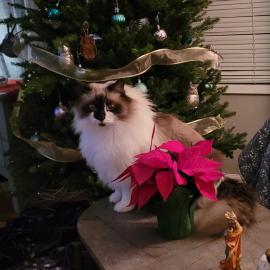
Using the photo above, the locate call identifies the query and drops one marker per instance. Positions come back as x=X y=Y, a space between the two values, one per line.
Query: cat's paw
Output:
x=123 y=207
x=115 y=197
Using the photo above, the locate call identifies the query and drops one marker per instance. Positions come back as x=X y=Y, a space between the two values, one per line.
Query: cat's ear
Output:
x=83 y=87
x=80 y=88
x=118 y=86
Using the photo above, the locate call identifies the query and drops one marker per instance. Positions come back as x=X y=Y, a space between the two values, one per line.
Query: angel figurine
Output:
x=233 y=243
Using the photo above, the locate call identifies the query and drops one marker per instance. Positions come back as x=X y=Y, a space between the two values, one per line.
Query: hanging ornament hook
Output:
x=58 y=3
x=157 y=21
x=116 y=9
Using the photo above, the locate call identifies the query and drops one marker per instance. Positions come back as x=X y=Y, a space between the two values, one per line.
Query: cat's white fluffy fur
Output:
x=110 y=149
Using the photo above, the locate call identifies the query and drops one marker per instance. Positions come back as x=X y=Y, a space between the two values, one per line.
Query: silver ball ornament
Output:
x=160 y=34
x=193 y=98
x=60 y=111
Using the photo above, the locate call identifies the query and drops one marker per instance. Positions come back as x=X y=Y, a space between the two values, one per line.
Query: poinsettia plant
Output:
x=170 y=165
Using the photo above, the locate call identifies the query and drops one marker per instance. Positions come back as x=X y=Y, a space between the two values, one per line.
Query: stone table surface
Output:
x=130 y=241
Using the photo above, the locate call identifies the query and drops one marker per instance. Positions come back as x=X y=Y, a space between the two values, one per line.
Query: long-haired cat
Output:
x=115 y=122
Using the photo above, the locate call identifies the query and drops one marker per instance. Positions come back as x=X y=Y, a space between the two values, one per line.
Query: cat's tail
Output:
x=232 y=195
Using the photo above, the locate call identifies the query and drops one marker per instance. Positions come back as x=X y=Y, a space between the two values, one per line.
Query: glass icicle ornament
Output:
x=118 y=17
x=193 y=98
x=65 y=54
x=160 y=34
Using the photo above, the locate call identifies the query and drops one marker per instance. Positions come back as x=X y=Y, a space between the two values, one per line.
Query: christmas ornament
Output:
x=6 y=47
x=208 y=85
x=118 y=17
x=60 y=111
x=160 y=34
x=34 y=137
x=193 y=98
x=141 y=86
x=142 y=22
x=186 y=39
x=65 y=54
x=88 y=47
x=54 y=12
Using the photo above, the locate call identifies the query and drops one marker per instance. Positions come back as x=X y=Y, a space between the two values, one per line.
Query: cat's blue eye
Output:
x=110 y=107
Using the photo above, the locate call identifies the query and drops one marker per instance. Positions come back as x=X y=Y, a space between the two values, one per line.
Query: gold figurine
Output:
x=233 y=243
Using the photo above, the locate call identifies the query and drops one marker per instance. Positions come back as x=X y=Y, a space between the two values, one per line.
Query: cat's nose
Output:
x=99 y=116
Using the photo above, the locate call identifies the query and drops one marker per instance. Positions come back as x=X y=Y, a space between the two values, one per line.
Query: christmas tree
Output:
x=119 y=33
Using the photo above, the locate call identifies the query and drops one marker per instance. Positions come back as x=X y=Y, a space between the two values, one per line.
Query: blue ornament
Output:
x=53 y=12
x=118 y=18
x=186 y=39
x=34 y=137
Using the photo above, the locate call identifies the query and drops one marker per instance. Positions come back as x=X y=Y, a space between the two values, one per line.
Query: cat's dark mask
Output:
x=101 y=99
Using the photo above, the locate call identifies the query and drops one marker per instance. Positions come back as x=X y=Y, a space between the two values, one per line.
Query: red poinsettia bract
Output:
x=160 y=170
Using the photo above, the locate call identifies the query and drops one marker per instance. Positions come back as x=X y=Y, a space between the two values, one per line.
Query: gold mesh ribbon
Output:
x=207 y=125
x=139 y=66
x=60 y=154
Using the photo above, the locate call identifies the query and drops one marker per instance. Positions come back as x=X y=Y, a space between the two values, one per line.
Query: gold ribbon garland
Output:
x=207 y=125
x=139 y=66
x=60 y=154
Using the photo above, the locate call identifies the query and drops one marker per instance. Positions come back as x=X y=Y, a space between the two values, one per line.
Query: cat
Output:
x=115 y=122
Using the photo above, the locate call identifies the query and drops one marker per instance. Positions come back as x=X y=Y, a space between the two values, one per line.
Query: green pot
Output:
x=176 y=215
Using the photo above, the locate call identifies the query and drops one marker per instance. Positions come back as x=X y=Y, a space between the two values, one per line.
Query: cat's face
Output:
x=104 y=103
